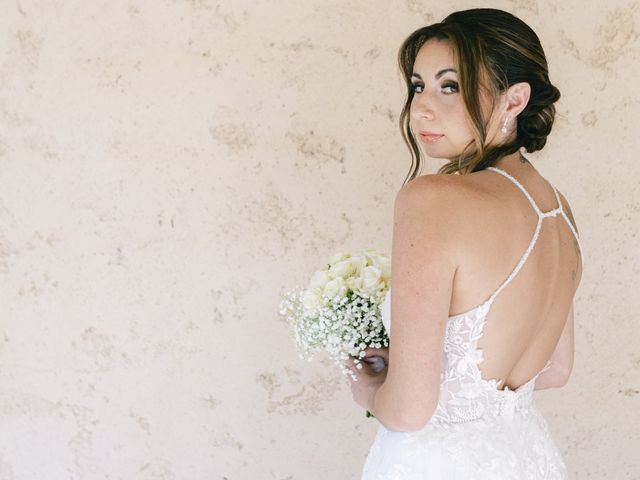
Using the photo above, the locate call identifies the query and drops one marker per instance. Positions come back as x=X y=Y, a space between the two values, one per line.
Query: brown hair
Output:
x=494 y=45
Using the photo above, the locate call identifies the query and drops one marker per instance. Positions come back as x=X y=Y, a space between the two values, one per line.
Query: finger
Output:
x=382 y=352
x=349 y=368
x=373 y=350
x=350 y=363
x=379 y=352
x=375 y=364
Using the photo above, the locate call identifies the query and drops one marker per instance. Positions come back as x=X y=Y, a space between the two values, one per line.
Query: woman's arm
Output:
x=424 y=256
x=562 y=359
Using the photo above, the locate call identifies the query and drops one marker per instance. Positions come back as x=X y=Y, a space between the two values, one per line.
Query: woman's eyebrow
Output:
x=437 y=75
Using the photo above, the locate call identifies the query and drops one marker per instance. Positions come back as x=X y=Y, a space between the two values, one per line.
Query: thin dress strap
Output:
x=550 y=213
x=573 y=230
x=575 y=234
x=536 y=233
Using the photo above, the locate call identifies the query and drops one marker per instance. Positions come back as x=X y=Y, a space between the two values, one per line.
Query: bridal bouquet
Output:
x=339 y=310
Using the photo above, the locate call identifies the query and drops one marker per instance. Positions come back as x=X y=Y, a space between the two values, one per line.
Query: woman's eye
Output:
x=451 y=85
x=446 y=85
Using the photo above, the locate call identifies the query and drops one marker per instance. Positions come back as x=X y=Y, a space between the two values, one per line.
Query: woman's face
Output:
x=437 y=106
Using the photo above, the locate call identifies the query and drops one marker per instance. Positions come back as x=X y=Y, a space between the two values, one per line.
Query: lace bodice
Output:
x=478 y=431
x=464 y=394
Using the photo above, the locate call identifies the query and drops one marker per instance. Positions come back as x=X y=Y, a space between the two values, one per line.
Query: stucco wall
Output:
x=169 y=168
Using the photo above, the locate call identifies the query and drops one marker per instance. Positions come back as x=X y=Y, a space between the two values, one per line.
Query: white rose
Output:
x=337 y=257
x=371 y=281
x=370 y=253
x=335 y=287
x=354 y=283
x=344 y=268
x=319 y=279
x=381 y=261
x=384 y=264
x=312 y=299
x=359 y=262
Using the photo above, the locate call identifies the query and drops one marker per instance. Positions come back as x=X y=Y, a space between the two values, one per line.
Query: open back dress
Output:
x=478 y=431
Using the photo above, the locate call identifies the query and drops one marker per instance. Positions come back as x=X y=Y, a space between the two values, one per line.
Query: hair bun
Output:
x=493 y=49
x=536 y=120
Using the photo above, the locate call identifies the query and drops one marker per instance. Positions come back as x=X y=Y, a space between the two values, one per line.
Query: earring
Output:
x=504 y=127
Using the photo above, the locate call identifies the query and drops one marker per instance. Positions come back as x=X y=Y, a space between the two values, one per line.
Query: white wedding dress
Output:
x=477 y=432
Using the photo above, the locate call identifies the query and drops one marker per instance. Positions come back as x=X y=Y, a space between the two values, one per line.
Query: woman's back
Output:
x=513 y=288
x=530 y=312
x=478 y=92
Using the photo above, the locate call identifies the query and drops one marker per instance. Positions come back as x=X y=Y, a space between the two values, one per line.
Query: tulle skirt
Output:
x=518 y=446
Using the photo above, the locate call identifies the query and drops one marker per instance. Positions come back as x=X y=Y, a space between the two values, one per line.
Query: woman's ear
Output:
x=517 y=98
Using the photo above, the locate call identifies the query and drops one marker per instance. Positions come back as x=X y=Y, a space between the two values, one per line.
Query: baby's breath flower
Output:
x=339 y=311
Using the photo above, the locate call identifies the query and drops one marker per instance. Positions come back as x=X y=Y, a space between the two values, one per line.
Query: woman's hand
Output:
x=382 y=353
x=370 y=377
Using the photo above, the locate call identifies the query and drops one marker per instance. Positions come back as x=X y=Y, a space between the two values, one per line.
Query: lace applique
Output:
x=477 y=432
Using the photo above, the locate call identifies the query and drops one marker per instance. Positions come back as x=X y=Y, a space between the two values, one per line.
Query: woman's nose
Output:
x=421 y=113
x=421 y=107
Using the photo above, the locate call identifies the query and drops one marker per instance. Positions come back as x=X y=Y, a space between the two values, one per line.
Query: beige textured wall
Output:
x=169 y=168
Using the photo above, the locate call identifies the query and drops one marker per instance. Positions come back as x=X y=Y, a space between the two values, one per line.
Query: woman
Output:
x=486 y=261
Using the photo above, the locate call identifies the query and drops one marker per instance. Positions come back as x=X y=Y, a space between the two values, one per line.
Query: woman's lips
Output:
x=429 y=137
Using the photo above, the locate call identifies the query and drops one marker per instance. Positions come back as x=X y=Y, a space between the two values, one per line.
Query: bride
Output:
x=486 y=260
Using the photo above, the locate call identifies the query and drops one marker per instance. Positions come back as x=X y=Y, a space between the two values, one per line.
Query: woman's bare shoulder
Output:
x=439 y=183
x=567 y=210
x=454 y=201
x=447 y=190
